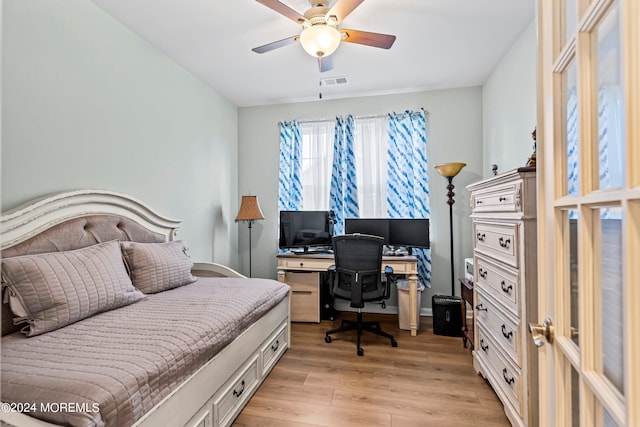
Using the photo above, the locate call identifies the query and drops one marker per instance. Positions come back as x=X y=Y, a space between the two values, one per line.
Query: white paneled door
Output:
x=588 y=328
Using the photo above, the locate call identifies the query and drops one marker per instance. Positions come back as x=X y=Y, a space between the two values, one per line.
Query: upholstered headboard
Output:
x=74 y=220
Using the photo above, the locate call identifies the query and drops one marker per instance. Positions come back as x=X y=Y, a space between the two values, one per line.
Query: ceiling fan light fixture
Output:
x=320 y=40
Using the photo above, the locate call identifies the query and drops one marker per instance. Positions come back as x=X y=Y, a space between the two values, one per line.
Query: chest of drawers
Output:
x=505 y=290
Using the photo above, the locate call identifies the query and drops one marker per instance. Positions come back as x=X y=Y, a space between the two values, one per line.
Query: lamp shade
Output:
x=320 y=40
x=449 y=169
x=249 y=209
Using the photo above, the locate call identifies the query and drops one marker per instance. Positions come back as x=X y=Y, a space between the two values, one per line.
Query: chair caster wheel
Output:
x=360 y=352
x=327 y=339
x=394 y=343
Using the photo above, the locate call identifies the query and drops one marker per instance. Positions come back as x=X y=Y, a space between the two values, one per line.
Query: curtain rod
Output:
x=372 y=116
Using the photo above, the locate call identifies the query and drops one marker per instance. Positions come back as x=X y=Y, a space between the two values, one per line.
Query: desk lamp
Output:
x=449 y=170
x=250 y=212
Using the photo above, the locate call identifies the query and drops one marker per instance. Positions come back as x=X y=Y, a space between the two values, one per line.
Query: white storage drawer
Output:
x=499 y=241
x=503 y=198
x=503 y=329
x=239 y=389
x=501 y=373
x=201 y=419
x=499 y=281
x=274 y=347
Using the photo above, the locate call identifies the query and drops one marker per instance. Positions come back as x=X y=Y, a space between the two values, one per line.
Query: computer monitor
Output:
x=306 y=230
x=409 y=232
x=372 y=226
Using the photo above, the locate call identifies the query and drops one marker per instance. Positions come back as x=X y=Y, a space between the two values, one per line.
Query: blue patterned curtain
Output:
x=408 y=183
x=290 y=184
x=343 y=198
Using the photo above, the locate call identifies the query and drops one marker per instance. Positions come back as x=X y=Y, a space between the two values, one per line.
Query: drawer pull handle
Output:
x=504 y=243
x=481 y=307
x=275 y=346
x=302 y=264
x=482 y=273
x=481 y=236
x=239 y=393
x=504 y=333
x=302 y=292
x=479 y=202
x=482 y=346
x=507 y=380
x=506 y=289
x=502 y=199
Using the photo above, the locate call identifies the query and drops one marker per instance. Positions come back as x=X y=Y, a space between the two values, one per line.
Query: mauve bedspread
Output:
x=114 y=367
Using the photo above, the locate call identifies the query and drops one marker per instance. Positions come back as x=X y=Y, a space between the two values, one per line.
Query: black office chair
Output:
x=356 y=276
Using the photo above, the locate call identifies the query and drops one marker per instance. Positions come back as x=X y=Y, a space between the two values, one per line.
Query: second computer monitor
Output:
x=409 y=232
x=372 y=226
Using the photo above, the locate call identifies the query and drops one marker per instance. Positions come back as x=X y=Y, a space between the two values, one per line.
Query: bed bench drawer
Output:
x=273 y=348
x=201 y=419
x=238 y=391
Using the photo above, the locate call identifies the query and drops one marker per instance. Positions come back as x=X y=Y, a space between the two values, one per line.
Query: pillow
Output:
x=51 y=290
x=156 y=267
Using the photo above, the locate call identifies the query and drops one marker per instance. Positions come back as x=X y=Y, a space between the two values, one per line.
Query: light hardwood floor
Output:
x=427 y=380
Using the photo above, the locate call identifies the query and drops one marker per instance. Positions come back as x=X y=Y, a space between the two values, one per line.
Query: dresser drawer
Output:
x=273 y=348
x=232 y=397
x=503 y=329
x=503 y=198
x=305 y=296
x=499 y=281
x=501 y=373
x=499 y=241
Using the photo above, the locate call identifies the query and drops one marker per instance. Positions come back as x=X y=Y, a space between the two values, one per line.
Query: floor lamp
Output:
x=250 y=212
x=449 y=170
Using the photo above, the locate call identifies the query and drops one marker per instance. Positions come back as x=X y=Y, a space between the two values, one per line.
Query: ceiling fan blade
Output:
x=384 y=41
x=325 y=63
x=275 y=45
x=283 y=9
x=342 y=8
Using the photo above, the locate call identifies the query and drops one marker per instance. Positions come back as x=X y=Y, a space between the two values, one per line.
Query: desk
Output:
x=302 y=273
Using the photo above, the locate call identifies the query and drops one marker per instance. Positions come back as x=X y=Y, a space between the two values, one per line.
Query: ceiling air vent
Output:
x=333 y=81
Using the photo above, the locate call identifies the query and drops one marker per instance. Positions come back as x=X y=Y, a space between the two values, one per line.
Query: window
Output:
x=317 y=153
x=370 y=140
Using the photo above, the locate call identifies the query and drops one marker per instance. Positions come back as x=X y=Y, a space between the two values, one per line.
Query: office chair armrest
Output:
x=388 y=271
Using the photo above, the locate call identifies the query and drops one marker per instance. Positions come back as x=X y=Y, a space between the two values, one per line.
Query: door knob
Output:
x=540 y=333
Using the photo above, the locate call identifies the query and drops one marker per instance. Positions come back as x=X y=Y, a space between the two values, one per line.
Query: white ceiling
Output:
x=440 y=44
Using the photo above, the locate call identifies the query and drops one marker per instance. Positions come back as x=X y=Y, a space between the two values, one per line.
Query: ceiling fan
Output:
x=320 y=36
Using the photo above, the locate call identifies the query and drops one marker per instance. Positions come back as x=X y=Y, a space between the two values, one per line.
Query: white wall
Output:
x=88 y=104
x=454 y=128
x=509 y=106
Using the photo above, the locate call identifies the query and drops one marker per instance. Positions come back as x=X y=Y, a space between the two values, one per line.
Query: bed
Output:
x=167 y=342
